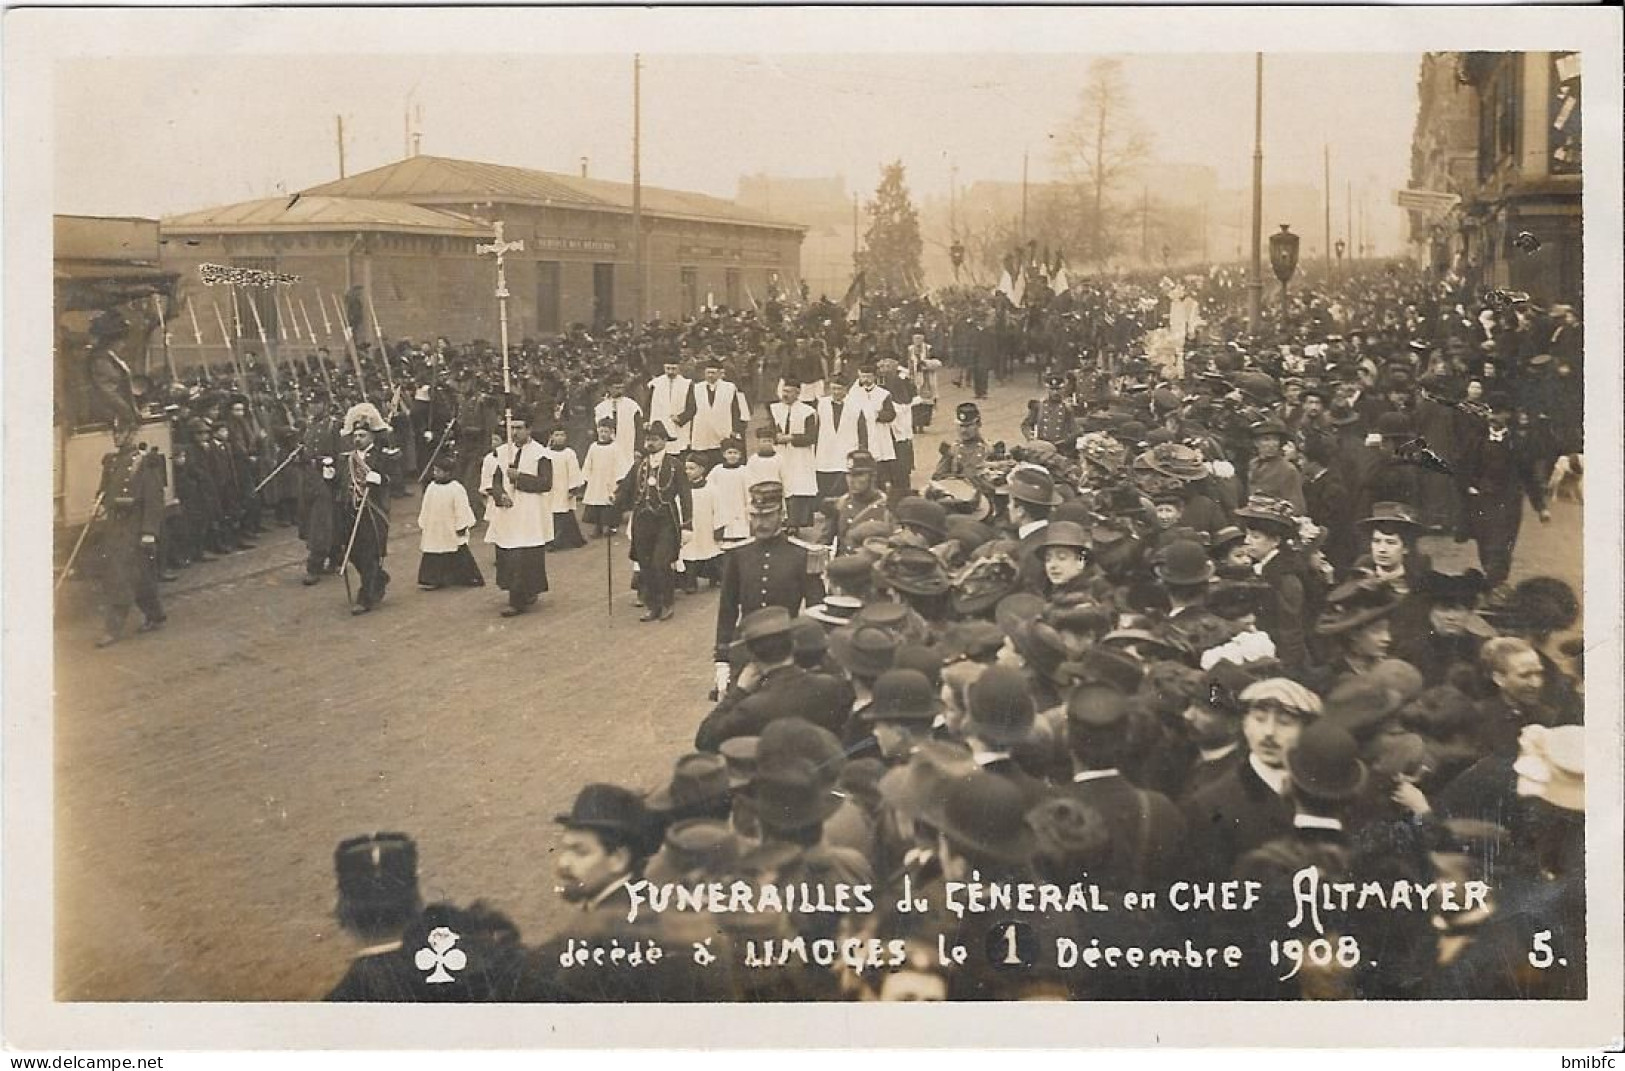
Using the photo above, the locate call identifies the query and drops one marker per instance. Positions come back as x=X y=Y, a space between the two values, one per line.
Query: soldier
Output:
x=124 y=560
x=963 y=459
x=862 y=502
x=323 y=541
x=1050 y=419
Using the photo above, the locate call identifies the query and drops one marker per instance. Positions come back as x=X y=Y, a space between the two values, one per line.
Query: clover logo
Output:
x=441 y=955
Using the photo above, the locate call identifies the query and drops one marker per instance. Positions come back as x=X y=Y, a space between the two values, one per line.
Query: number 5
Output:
x=1541 y=955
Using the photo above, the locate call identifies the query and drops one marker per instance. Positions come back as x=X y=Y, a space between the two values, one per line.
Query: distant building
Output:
x=824 y=207
x=405 y=235
x=1512 y=151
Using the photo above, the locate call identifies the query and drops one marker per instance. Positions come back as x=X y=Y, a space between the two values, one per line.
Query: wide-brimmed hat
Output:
x=1272 y=514
x=699 y=780
x=765 y=623
x=863 y=651
x=1176 y=460
x=657 y=428
x=1325 y=763
x=913 y=571
x=1354 y=604
x=1033 y=485
x=987 y=814
x=1538 y=604
x=798 y=738
x=1183 y=562
x=1064 y=534
x=1551 y=765
x=789 y=795
x=835 y=611
x=609 y=809
x=1102 y=451
x=919 y=788
x=1392 y=515
x=1000 y=706
x=904 y=695
x=705 y=846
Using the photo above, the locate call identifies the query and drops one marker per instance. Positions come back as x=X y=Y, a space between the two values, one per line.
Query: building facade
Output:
x=401 y=241
x=1502 y=131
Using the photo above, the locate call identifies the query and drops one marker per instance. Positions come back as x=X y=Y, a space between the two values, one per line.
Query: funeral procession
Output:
x=1091 y=528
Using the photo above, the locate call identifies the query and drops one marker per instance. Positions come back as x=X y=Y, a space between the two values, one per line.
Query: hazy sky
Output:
x=153 y=137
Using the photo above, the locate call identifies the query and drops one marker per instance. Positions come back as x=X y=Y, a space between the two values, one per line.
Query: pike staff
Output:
x=231 y=350
x=95 y=511
x=327 y=380
x=349 y=344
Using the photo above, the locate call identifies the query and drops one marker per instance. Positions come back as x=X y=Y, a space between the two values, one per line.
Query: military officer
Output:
x=771 y=570
x=964 y=459
x=862 y=502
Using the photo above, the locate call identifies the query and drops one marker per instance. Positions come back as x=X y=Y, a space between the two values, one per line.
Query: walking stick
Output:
x=284 y=464
x=344 y=566
x=609 y=574
x=95 y=510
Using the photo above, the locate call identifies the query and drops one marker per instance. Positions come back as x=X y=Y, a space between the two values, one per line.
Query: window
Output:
x=689 y=279
x=603 y=295
x=731 y=288
x=1564 y=131
x=547 y=297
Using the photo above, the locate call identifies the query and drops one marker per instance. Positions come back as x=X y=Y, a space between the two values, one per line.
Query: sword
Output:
x=272 y=475
x=344 y=566
x=444 y=435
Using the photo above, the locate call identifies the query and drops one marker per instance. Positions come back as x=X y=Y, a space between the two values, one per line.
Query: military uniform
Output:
x=764 y=572
x=124 y=559
x=852 y=509
x=1053 y=422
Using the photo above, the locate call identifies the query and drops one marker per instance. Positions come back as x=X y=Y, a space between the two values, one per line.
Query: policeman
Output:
x=862 y=502
x=964 y=459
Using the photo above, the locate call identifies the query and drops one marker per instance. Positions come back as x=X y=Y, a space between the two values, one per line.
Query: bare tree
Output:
x=1102 y=144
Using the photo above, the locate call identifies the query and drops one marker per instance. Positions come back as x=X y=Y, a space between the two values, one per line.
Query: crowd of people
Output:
x=1181 y=632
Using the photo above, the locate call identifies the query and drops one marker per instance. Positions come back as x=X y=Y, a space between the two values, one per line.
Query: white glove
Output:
x=374 y=479
x=723 y=674
x=328 y=472
x=678 y=567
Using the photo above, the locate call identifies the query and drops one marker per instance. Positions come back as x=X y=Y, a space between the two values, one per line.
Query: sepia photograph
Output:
x=607 y=512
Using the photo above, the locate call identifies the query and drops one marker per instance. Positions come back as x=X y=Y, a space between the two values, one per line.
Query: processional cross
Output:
x=501 y=248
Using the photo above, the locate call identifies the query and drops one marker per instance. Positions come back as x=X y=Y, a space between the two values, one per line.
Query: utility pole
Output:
x=1024 y=197
x=854 y=232
x=953 y=202
x=1145 y=225
x=1327 y=161
x=1255 y=289
x=1348 y=222
x=341 y=146
x=1204 y=231
x=637 y=194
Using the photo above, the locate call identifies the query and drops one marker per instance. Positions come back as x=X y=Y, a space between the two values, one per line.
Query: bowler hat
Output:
x=699 y=780
x=1457 y=589
x=1233 y=599
x=789 y=795
x=703 y=846
x=922 y=658
x=1001 y=708
x=798 y=738
x=1184 y=563
x=808 y=636
x=973 y=639
x=1362 y=705
x=923 y=513
x=863 y=651
x=1105 y=664
x=891 y=616
x=1325 y=763
x=987 y=814
x=904 y=695
x=609 y=809
x=852 y=573
x=1033 y=485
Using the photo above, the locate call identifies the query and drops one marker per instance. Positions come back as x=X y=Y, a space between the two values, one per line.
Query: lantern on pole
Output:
x=1340 y=247
x=956 y=253
x=1284 y=256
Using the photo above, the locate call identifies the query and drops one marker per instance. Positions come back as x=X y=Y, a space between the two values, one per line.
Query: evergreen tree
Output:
x=890 y=258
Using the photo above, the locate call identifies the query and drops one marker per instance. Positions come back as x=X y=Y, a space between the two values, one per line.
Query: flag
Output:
x=1059 y=283
x=854 y=292
x=1014 y=288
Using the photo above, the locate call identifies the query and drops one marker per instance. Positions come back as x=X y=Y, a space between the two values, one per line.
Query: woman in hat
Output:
x=1271 y=527
x=444 y=519
x=1270 y=473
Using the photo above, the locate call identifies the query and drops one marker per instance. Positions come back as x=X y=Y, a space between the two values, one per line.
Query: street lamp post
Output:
x=1255 y=296
x=1284 y=259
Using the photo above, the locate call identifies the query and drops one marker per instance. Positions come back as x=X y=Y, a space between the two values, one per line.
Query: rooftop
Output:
x=316 y=213
x=439 y=180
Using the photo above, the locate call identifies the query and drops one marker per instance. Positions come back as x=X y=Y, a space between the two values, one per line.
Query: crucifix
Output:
x=501 y=248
